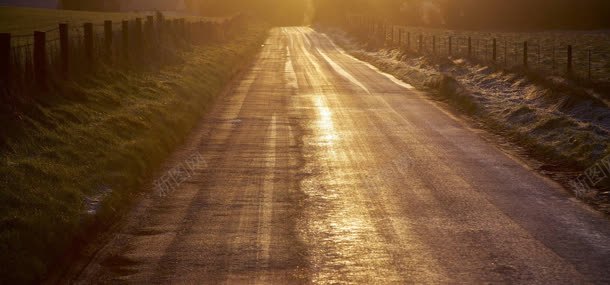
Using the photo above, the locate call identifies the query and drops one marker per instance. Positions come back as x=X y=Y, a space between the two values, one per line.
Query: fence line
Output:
x=533 y=54
x=66 y=50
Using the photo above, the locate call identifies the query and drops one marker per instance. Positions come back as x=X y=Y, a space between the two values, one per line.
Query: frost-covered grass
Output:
x=556 y=120
x=547 y=50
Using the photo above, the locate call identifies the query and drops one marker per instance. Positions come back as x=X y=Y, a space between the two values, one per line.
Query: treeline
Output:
x=464 y=14
x=476 y=14
x=91 y=5
x=525 y=14
x=279 y=12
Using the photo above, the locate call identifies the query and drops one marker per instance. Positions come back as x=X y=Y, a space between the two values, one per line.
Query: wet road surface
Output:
x=320 y=169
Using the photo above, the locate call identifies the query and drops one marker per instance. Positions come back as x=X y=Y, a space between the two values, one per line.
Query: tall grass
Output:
x=102 y=135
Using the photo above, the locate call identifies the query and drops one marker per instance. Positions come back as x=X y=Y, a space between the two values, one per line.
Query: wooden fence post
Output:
x=5 y=60
x=495 y=50
x=386 y=27
x=185 y=29
x=476 y=48
x=372 y=29
x=376 y=33
x=538 y=58
x=198 y=31
x=40 y=57
x=180 y=28
x=125 y=40
x=399 y=36
x=151 y=20
x=505 y=52
x=450 y=45
x=389 y=29
x=138 y=44
x=160 y=18
x=150 y=24
x=362 y=23
x=64 y=45
x=204 y=32
x=525 y=53
x=190 y=27
x=174 y=28
x=165 y=30
x=469 y=47
x=108 y=39
x=88 y=32
x=589 y=58
x=553 y=61
x=570 y=70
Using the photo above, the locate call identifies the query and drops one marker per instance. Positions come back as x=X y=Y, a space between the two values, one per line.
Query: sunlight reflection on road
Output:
x=325 y=122
x=341 y=236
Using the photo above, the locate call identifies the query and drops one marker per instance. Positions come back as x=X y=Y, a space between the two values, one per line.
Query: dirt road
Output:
x=320 y=169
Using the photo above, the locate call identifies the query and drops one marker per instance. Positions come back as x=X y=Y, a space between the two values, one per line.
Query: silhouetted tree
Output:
x=477 y=14
x=468 y=14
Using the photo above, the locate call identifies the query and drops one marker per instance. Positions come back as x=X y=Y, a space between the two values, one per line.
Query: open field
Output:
x=18 y=20
x=26 y=20
x=86 y=147
x=547 y=50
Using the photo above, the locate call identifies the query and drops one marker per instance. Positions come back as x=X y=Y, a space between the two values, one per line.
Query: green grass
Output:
x=109 y=131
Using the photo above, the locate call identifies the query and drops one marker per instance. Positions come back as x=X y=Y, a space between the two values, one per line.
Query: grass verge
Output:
x=100 y=139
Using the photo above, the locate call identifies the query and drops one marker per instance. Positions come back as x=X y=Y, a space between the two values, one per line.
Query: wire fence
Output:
x=569 y=54
x=67 y=51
